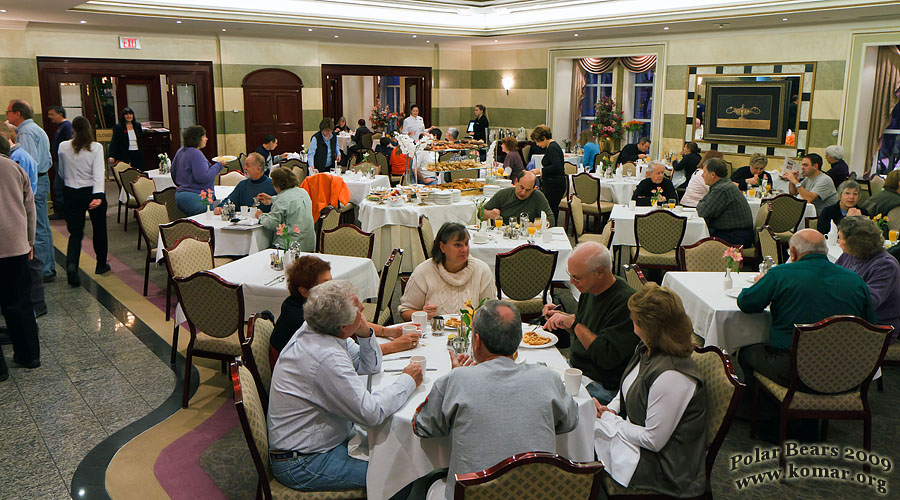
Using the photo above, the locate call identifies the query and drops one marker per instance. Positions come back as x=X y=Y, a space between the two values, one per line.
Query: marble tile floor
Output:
x=95 y=378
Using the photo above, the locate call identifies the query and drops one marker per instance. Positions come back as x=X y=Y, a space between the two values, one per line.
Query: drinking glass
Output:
x=498 y=222
x=531 y=229
x=892 y=235
x=671 y=205
x=752 y=193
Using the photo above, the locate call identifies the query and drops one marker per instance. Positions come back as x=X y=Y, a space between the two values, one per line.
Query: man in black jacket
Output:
x=634 y=152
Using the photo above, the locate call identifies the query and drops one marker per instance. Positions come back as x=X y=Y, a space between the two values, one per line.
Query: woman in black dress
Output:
x=126 y=141
x=690 y=160
x=552 y=171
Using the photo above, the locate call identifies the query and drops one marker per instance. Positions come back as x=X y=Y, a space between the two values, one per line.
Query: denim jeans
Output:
x=602 y=394
x=331 y=470
x=43 y=239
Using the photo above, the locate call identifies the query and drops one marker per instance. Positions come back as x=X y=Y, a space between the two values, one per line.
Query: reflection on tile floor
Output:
x=95 y=378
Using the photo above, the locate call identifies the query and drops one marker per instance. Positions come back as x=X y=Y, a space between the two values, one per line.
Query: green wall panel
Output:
x=830 y=75
x=534 y=78
x=16 y=71
x=233 y=74
x=820 y=132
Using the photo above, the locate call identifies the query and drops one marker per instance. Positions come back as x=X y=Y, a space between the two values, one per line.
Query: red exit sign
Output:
x=129 y=42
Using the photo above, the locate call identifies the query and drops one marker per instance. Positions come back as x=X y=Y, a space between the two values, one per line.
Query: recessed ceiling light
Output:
x=2 y=11
x=309 y=29
x=335 y=36
x=576 y=34
x=784 y=19
x=177 y=22
x=415 y=36
x=223 y=29
x=83 y=22
x=427 y=41
x=665 y=28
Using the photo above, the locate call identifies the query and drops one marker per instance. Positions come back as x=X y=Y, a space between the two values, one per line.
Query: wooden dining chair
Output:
x=382 y=162
x=380 y=311
x=185 y=257
x=657 y=237
x=587 y=189
x=570 y=168
x=524 y=273
x=232 y=178
x=426 y=235
x=128 y=176
x=150 y=216
x=704 y=256
x=634 y=276
x=785 y=214
x=143 y=188
x=252 y=416
x=348 y=240
x=174 y=231
x=770 y=245
x=214 y=309
x=167 y=198
x=255 y=352
x=329 y=218
x=516 y=477
x=117 y=176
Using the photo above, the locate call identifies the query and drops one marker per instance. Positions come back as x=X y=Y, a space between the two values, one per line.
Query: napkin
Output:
x=545 y=224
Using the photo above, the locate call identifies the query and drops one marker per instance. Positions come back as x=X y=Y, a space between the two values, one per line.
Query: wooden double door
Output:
x=273 y=105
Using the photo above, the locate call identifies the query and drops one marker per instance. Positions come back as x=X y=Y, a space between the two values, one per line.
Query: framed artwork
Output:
x=745 y=112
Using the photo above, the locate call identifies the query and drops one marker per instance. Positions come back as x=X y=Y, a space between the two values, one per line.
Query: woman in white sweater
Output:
x=441 y=284
x=82 y=167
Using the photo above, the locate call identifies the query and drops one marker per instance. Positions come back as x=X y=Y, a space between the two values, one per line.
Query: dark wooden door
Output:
x=273 y=105
x=413 y=89
x=334 y=101
x=73 y=92
x=188 y=106
x=147 y=96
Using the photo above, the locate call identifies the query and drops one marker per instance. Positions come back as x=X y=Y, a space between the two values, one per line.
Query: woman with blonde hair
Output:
x=660 y=444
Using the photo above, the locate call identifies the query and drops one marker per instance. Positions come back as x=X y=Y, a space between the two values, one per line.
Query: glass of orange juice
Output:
x=892 y=235
x=532 y=228
x=671 y=205
x=498 y=222
x=752 y=193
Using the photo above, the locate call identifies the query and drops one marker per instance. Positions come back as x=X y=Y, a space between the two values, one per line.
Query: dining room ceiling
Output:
x=465 y=22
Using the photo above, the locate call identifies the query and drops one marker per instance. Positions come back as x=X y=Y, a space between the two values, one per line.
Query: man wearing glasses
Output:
x=604 y=334
x=34 y=140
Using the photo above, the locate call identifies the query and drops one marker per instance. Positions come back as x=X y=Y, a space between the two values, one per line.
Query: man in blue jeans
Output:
x=316 y=395
x=34 y=140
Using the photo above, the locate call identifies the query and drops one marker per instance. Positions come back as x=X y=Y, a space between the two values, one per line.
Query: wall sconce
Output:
x=507 y=83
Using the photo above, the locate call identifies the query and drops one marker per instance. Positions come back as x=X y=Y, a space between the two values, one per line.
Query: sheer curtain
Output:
x=887 y=80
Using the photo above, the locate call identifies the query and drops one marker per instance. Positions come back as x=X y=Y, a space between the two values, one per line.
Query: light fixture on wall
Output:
x=507 y=83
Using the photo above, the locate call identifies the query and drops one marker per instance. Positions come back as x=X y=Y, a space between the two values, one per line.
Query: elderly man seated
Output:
x=656 y=180
x=753 y=175
x=464 y=404
x=807 y=290
x=604 y=334
x=317 y=395
x=724 y=208
x=248 y=189
x=521 y=198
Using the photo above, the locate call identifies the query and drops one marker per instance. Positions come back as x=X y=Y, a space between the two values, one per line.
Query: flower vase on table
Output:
x=733 y=258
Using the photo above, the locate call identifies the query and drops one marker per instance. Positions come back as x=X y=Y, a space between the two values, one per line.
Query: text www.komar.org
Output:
x=815 y=472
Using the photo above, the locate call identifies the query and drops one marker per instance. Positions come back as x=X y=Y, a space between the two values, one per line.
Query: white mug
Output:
x=409 y=329
x=420 y=318
x=420 y=360
x=573 y=381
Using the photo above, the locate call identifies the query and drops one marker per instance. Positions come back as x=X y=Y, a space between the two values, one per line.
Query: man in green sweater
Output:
x=604 y=334
x=521 y=198
x=248 y=189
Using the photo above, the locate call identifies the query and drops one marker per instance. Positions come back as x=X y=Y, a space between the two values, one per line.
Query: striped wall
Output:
x=526 y=104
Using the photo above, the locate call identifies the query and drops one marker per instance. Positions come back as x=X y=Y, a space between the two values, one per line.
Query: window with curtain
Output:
x=596 y=85
x=642 y=100
x=390 y=93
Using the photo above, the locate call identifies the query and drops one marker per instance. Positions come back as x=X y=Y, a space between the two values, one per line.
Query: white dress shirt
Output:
x=317 y=395
x=695 y=190
x=83 y=169
x=413 y=126
x=617 y=441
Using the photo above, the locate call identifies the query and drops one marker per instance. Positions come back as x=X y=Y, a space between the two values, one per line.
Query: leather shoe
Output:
x=74 y=280
x=50 y=278
x=29 y=364
x=102 y=269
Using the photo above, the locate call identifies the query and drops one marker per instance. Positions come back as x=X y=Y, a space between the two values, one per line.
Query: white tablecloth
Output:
x=230 y=240
x=716 y=316
x=624 y=218
x=254 y=273
x=343 y=141
x=497 y=244
x=361 y=186
x=161 y=181
x=397 y=457
x=373 y=216
x=618 y=190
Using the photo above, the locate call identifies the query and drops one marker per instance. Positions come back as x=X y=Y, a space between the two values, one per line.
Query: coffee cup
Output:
x=409 y=329
x=420 y=319
x=420 y=360
x=573 y=381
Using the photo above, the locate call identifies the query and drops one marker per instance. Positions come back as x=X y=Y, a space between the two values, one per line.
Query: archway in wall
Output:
x=273 y=105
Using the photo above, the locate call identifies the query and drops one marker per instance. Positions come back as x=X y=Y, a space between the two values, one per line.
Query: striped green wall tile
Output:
x=676 y=77
x=233 y=74
x=515 y=117
x=820 y=132
x=18 y=71
x=311 y=119
x=449 y=116
x=452 y=79
x=530 y=78
x=830 y=75
x=234 y=122
x=673 y=126
x=220 y=123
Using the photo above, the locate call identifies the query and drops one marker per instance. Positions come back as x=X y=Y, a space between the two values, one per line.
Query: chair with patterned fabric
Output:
x=214 y=309
x=252 y=415
x=184 y=258
x=865 y=190
x=167 y=198
x=382 y=163
x=605 y=237
x=723 y=396
x=587 y=189
x=149 y=217
x=634 y=276
x=570 y=168
x=142 y=187
x=349 y=240
x=657 y=236
x=329 y=218
x=380 y=311
x=426 y=235
x=613 y=159
x=785 y=214
x=705 y=255
x=255 y=352
x=128 y=176
x=532 y=476
x=117 y=176
x=242 y=158
x=769 y=245
x=891 y=358
x=893 y=217
x=836 y=359
x=524 y=273
x=178 y=229
x=232 y=178
x=447 y=156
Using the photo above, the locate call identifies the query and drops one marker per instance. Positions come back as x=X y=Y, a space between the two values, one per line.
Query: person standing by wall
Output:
x=57 y=115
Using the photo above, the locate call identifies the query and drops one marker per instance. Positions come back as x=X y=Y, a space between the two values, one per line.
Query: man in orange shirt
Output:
x=399 y=161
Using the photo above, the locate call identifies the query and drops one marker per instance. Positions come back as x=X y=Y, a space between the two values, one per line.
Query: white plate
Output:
x=541 y=332
x=733 y=292
x=224 y=158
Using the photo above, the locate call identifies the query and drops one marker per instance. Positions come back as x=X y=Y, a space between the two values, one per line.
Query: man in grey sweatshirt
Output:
x=495 y=408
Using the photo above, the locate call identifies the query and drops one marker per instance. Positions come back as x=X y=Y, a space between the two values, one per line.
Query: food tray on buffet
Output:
x=449 y=166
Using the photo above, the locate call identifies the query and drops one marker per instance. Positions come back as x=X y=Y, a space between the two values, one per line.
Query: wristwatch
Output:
x=574 y=324
x=797 y=185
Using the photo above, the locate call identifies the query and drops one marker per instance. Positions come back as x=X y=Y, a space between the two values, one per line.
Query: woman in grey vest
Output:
x=653 y=433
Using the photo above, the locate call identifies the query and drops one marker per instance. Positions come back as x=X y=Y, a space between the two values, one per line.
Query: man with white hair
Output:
x=452 y=134
x=248 y=189
x=839 y=171
x=807 y=290
x=463 y=404
x=604 y=334
x=316 y=393
x=656 y=184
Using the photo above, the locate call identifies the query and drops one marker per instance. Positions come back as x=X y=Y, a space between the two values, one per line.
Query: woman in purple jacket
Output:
x=192 y=172
x=863 y=246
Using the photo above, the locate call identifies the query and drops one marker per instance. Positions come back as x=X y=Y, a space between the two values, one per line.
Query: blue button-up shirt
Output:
x=311 y=152
x=20 y=156
x=35 y=141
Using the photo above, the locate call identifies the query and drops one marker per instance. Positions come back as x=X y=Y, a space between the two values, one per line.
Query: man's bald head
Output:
x=525 y=185
x=807 y=241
